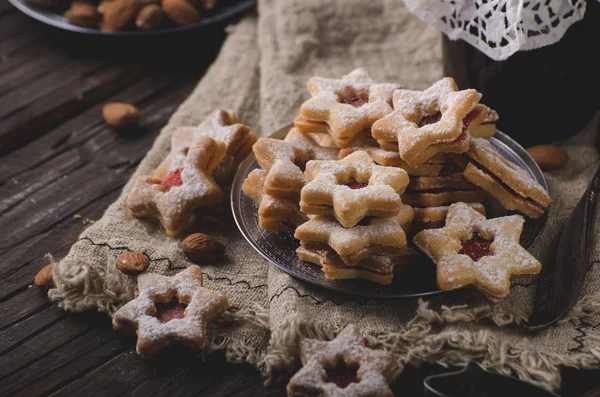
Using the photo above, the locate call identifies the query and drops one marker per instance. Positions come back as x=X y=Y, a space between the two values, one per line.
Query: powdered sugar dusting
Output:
x=185 y=287
x=410 y=107
x=334 y=102
x=376 y=369
x=346 y=241
x=174 y=208
x=490 y=274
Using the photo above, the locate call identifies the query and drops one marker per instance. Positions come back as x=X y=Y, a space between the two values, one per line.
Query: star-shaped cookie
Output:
x=285 y=161
x=379 y=236
x=438 y=115
x=174 y=198
x=170 y=310
x=345 y=366
x=349 y=105
x=473 y=250
x=221 y=125
x=352 y=188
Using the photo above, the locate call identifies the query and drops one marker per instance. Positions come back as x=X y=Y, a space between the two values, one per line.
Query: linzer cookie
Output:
x=431 y=167
x=352 y=188
x=173 y=198
x=376 y=236
x=375 y=268
x=473 y=250
x=221 y=125
x=320 y=132
x=345 y=366
x=345 y=107
x=487 y=128
x=285 y=160
x=440 y=190
x=422 y=119
x=274 y=213
x=438 y=214
x=506 y=182
x=170 y=310
x=459 y=145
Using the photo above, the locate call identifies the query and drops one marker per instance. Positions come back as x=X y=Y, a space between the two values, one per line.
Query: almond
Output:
x=132 y=263
x=200 y=246
x=117 y=14
x=150 y=17
x=549 y=157
x=181 y=12
x=82 y=13
x=120 y=114
x=44 y=276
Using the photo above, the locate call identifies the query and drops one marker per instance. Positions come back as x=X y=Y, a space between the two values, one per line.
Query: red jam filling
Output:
x=476 y=248
x=173 y=179
x=432 y=118
x=356 y=99
x=472 y=115
x=354 y=185
x=341 y=375
x=166 y=312
x=366 y=342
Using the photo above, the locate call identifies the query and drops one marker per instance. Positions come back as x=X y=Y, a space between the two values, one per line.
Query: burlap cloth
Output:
x=261 y=73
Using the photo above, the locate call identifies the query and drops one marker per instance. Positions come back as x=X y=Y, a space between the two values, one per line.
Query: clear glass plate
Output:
x=279 y=247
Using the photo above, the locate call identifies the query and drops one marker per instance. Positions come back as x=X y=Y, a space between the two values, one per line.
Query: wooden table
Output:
x=57 y=160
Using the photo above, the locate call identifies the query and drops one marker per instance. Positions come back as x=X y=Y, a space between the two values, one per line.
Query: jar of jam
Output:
x=542 y=95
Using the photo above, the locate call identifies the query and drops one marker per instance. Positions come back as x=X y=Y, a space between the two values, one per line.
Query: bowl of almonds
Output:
x=132 y=17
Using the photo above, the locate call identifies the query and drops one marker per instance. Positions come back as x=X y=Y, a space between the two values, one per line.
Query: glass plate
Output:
x=222 y=13
x=279 y=247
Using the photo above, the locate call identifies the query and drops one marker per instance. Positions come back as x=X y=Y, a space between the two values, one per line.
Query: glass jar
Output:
x=542 y=95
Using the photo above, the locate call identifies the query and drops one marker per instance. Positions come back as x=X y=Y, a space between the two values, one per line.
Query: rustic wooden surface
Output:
x=58 y=159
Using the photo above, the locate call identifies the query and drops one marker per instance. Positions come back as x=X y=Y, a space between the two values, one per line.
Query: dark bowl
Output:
x=224 y=12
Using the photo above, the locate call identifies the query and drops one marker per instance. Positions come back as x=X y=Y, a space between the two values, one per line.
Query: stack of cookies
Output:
x=357 y=217
x=367 y=164
x=201 y=162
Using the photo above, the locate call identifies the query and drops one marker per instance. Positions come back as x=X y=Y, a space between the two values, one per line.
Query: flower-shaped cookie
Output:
x=381 y=235
x=438 y=115
x=349 y=105
x=221 y=125
x=170 y=310
x=174 y=198
x=473 y=250
x=285 y=160
x=352 y=188
x=345 y=366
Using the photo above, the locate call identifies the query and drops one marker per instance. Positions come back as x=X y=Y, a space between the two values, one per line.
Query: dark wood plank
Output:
x=75 y=163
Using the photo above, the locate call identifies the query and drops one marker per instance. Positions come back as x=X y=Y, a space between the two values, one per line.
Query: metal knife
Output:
x=560 y=281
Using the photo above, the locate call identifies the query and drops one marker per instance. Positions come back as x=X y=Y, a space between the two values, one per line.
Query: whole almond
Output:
x=150 y=17
x=549 y=157
x=82 y=13
x=132 y=263
x=120 y=114
x=44 y=276
x=117 y=14
x=200 y=246
x=181 y=12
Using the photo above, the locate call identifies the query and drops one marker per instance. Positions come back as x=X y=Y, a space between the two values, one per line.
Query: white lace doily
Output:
x=499 y=28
